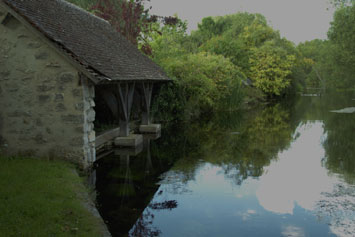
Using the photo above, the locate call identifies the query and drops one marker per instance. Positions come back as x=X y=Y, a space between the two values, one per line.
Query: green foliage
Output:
x=270 y=68
x=312 y=54
x=254 y=47
x=43 y=198
x=203 y=82
x=230 y=27
x=256 y=34
x=331 y=63
x=234 y=49
x=168 y=42
x=242 y=145
x=342 y=33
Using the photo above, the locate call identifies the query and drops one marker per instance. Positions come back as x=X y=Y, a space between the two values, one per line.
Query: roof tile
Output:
x=91 y=40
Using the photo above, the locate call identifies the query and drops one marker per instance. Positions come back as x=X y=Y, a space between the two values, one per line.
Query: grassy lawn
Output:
x=43 y=198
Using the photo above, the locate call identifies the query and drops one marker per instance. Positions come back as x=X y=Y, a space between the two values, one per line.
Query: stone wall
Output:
x=89 y=118
x=46 y=107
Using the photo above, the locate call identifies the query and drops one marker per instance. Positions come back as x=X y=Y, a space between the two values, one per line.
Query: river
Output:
x=286 y=169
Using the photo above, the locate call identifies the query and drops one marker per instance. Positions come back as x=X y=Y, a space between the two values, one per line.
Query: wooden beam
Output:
x=106 y=137
x=125 y=96
x=147 y=99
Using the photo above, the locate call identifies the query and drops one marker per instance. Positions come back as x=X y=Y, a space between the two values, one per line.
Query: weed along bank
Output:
x=60 y=67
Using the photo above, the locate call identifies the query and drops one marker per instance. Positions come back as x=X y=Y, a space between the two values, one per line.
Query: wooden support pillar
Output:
x=147 y=98
x=147 y=126
x=125 y=96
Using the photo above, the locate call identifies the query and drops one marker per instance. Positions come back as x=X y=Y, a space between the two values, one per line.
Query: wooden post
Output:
x=147 y=98
x=125 y=96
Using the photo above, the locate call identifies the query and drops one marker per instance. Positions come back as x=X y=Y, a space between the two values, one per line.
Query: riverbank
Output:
x=45 y=198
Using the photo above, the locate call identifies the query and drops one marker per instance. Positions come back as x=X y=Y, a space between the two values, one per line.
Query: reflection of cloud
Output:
x=246 y=215
x=251 y=211
x=298 y=175
x=292 y=231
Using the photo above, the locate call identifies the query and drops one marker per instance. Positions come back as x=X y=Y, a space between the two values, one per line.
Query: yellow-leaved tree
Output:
x=270 y=68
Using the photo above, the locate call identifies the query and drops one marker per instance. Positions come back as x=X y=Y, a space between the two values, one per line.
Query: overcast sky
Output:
x=297 y=20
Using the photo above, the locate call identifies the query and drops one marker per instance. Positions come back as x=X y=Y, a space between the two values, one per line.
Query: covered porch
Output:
x=123 y=113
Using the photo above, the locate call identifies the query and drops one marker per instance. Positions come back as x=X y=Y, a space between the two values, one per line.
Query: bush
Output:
x=203 y=83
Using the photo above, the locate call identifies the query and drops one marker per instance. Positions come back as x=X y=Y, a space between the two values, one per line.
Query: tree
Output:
x=248 y=41
x=255 y=34
x=270 y=69
x=312 y=65
x=234 y=49
x=127 y=16
x=203 y=82
x=342 y=32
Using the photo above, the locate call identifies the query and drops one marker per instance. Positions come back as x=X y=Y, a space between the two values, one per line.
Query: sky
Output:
x=297 y=20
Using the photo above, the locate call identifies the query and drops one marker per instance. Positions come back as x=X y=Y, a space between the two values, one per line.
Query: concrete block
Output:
x=151 y=128
x=133 y=140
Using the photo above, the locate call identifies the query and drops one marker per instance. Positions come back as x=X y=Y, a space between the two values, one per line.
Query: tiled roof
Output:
x=90 y=40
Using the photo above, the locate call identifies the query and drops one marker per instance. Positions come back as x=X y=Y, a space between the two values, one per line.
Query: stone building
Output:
x=53 y=57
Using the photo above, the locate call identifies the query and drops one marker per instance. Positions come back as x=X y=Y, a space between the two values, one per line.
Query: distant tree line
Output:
x=333 y=60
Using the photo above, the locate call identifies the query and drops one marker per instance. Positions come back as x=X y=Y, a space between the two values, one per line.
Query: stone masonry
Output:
x=46 y=105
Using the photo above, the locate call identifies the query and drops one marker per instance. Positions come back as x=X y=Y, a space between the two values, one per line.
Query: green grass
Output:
x=43 y=198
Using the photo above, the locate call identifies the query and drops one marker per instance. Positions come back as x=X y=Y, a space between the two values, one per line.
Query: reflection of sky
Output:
x=297 y=177
x=281 y=202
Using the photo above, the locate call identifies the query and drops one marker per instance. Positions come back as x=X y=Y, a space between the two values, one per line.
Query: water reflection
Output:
x=241 y=151
x=339 y=147
x=125 y=182
x=297 y=177
x=286 y=170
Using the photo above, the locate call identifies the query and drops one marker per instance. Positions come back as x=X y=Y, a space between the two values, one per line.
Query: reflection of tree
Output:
x=143 y=226
x=340 y=129
x=258 y=143
x=242 y=150
x=340 y=145
x=241 y=145
x=171 y=204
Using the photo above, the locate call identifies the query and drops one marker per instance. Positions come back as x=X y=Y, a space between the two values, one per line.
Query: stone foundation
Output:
x=151 y=128
x=89 y=118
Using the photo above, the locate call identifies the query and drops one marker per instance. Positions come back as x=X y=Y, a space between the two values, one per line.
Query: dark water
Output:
x=284 y=170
